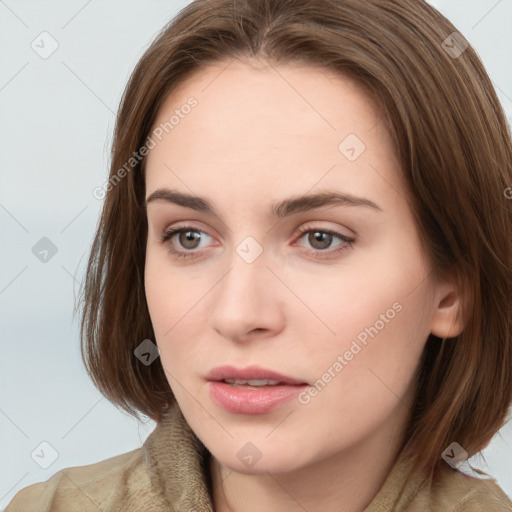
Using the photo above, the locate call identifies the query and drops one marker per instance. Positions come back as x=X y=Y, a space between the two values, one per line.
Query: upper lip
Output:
x=250 y=373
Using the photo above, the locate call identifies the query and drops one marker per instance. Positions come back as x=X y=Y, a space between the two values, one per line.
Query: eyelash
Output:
x=168 y=234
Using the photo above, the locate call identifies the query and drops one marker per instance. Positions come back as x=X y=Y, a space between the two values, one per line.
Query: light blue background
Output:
x=56 y=124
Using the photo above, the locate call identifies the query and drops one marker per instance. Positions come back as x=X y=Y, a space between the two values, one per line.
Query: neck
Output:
x=347 y=480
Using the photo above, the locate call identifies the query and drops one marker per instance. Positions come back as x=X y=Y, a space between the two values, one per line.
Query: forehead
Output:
x=253 y=95
x=282 y=125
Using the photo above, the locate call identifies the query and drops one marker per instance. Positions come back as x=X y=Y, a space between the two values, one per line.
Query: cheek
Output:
x=383 y=290
x=175 y=301
x=379 y=318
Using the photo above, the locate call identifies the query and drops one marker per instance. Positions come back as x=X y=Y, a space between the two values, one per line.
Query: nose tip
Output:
x=244 y=307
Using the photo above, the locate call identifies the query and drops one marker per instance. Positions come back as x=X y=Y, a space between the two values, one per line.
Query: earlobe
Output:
x=447 y=319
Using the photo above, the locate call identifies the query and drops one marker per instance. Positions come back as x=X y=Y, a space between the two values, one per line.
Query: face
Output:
x=335 y=298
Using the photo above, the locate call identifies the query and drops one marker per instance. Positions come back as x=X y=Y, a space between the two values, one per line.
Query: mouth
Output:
x=253 y=383
x=252 y=376
x=251 y=390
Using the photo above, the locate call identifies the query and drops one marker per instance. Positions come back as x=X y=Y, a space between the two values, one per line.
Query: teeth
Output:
x=252 y=382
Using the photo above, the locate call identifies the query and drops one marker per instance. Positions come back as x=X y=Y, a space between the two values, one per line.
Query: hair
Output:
x=454 y=146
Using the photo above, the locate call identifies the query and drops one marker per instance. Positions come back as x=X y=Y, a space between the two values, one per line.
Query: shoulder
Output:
x=466 y=493
x=454 y=491
x=409 y=489
x=92 y=487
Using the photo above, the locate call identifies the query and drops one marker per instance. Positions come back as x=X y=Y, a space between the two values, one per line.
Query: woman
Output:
x=303 y=268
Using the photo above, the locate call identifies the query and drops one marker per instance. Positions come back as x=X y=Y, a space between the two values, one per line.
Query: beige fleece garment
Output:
x=170 y=473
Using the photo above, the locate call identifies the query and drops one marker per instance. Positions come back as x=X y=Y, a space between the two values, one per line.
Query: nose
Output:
x=246 y=303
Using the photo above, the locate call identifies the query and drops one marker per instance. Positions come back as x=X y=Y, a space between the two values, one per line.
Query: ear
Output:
x=447 y=318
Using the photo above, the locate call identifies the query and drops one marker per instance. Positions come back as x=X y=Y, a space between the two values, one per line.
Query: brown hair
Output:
x=455 y=150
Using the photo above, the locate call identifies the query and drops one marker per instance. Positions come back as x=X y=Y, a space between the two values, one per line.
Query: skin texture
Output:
x=262 y=133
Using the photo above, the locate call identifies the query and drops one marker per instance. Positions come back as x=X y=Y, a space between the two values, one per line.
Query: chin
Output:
x=265 y=465
x=247 y=459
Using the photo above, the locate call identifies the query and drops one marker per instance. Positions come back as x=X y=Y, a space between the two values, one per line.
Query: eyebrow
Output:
x=280 y=209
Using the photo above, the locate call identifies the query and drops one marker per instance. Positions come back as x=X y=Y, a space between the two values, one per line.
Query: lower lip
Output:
x=252 y=401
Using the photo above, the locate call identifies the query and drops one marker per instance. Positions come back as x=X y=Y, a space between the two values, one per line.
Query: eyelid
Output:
x=312 y=226
x=298 y=231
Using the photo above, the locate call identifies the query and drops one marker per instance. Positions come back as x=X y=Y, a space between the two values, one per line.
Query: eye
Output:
x=188 y=238
x=321 y=239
